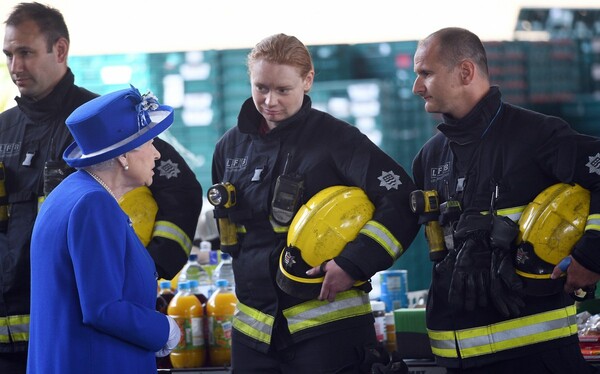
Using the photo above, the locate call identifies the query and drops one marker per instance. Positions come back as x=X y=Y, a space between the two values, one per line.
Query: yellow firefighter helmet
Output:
x=548 y=229
x=319 y=231
x=140 y=206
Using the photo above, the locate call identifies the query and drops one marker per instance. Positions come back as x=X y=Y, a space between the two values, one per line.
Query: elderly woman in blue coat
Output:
x=93 y=284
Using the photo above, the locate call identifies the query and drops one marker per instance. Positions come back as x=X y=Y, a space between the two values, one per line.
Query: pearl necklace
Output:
x=97 y=178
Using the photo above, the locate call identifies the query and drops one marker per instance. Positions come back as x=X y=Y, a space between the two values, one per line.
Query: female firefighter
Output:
x=282 y=153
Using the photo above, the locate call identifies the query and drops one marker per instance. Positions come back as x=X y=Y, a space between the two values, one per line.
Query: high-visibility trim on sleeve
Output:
x=14 y=328
x=384 y=237
x=169 y=230
x=593 y=222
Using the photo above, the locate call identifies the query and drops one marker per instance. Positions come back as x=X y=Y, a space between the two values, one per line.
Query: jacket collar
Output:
x=52 y=105
x=472 y=127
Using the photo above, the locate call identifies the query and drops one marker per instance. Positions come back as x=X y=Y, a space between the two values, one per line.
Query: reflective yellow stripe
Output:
x=512 y=213
x=384 y=237
x=169 y=230
x=241 y=229
x=40 y=201
x=442 y=343
x=254 y=323
x=504 y=335
x=15 y=326
x=277 y=227
x=315 y=313
x=593 y=222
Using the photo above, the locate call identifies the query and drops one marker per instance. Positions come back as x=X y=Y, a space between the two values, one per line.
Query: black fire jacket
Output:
x=519 y=152
x=325 y=152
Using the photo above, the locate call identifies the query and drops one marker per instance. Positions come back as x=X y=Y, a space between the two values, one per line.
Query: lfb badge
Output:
x=389 y=180
x=521 y=256
x=288 y=259
x=168 y=169
x=594 y=164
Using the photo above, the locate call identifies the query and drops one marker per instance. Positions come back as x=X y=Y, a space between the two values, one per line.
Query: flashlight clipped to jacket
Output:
x=222 y=196
x=426 y=205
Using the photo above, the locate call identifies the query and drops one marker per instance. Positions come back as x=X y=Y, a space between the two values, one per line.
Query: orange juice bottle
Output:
x=220 y=309
x=187 y=311
x=164 y=297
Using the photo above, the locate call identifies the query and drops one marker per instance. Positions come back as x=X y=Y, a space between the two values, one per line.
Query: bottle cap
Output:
x=377 y=306
x=205 y=245
x=165 y=284
x=194 y=257
x=221 y=283
x=389 y=319
x=183 y=285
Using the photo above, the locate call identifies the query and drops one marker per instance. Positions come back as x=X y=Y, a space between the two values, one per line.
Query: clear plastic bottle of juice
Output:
x=164 y=297
x=187 y=311
x=220 y=309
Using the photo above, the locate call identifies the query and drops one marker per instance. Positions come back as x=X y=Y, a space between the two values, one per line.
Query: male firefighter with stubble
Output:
x=499 y=171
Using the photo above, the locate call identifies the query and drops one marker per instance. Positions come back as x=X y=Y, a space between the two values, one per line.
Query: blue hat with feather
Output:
x=113 y=124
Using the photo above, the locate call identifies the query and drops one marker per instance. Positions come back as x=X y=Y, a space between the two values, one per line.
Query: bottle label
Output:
x=197 y=333
x=181 y=323
x=213 y=257
x=220 y=331
x=192 y=336
x=380 y=329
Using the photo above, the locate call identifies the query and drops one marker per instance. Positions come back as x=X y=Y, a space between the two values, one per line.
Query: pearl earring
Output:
x=126 y=167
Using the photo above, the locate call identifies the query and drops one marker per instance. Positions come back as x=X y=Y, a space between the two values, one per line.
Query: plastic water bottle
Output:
x=192 y=270
x=195 y=290
x=224 y=270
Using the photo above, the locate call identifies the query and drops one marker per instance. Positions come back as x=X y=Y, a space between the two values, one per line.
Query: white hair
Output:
x=101 y=166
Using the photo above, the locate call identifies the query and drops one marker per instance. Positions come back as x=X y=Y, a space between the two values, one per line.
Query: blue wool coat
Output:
x=93 y=287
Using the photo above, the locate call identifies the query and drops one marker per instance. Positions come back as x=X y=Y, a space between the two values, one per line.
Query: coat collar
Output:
x=472 y=127
x=51 y=106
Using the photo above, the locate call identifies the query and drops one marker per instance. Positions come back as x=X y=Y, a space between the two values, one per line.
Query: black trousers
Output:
x=13 y=363
x=562 y=360
x=338 y=352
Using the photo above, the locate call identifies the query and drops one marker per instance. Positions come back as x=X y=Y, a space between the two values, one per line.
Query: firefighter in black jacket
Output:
x=281 y=153
x=491 y=159
x=178 y=196
x=34 y=136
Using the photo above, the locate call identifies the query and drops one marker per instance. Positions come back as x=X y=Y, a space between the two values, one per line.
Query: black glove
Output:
x=395 y=366
x=447 y=264
x=470 y=282
x=54 y=173
x=373 y=356
x=506 y=286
